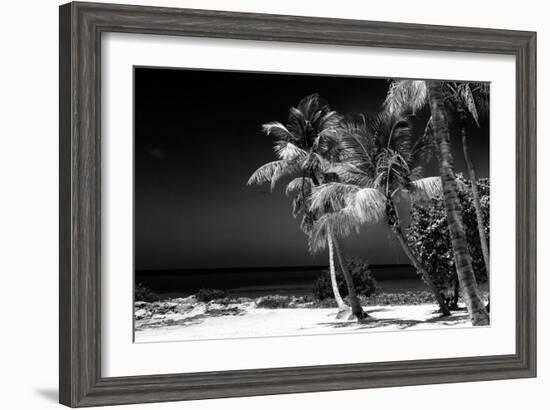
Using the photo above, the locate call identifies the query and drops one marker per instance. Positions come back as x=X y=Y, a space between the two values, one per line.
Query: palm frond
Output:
x=297 y=124
x=481 y=92
x=406 y=96
x=301 y=184
x=469 y=101
x=328 y=123
x=278 y=130
x=306 y=224
x=399 y=137
x=417 y=172
x=311 y=104
x=356 y=146
x=350 y=173
x=299 y=203
x=340 y=224
x=390 y=132
x=288 y=151
x=332 y=197
x=273 y=171
x=424 y=189
x=315 y=163
x=368 y=205
x=392 y=170
x=423 y=148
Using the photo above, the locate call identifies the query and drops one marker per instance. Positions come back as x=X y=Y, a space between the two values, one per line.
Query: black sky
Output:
x=198 y=139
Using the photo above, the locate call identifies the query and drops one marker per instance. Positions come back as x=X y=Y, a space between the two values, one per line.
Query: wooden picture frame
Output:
x=81 y=27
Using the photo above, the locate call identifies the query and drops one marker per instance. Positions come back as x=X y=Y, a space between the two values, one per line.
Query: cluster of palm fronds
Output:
x=347 y=171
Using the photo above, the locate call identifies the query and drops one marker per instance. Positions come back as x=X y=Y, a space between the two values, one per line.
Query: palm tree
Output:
x=328 y=237
x=301 y=189
x=304 y=147
x=463 y=262
x=462 y=98
x=333 y=242
x=338 y=222
x=410 y=96
x=381 y=161
x=473 y=99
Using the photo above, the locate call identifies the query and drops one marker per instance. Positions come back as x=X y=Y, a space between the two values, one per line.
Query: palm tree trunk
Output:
x=333 y=281
x=456 y=294
x=356 y=308
x=463 y=262
x=475 y=194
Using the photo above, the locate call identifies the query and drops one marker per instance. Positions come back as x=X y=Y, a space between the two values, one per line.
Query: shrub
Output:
x=206 y=295
x=403 y=298
x=428 y=236
x=364 y=282
x=228 y=300
x=144 y=294
x=273 y=302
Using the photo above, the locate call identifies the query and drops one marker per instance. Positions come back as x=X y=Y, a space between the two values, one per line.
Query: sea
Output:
x=254 y=282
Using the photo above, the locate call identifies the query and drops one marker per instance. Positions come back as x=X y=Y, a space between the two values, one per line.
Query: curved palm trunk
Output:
x=456 y=295
x=420 y=269
x=356 y=308
x=463 y=262
x=475 y=194
x=339 y=301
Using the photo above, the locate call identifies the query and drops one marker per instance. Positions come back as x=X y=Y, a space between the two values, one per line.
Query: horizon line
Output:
x=259 y=269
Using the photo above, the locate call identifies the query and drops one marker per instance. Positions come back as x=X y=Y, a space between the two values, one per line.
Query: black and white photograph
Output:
x=281 y=204
x=244 y=205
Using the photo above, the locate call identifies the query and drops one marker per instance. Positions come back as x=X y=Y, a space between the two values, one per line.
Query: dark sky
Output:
x=198 y=139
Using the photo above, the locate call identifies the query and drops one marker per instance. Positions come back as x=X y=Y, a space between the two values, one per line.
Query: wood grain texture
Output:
x=81 y=25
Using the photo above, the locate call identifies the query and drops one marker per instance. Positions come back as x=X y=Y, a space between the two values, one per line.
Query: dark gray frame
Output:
x=81 y=26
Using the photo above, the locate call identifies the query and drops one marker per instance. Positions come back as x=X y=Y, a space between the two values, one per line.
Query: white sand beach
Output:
x=206 y=322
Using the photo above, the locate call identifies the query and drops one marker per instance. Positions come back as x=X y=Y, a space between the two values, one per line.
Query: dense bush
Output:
x=364 y=282
x=273 y=302
x=417 y=297
x=428 y=235
x=143 y=294
x=206 y=295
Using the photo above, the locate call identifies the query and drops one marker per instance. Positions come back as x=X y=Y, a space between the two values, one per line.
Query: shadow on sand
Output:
x=192 y=320
x=373 y=322
x=448 y=320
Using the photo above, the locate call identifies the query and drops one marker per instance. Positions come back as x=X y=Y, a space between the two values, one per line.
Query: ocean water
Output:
x=261 y=282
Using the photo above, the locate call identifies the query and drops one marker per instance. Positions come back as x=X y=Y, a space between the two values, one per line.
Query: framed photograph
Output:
x=261 y=204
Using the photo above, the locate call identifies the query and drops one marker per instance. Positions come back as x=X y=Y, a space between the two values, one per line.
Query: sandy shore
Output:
x=260 y=322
